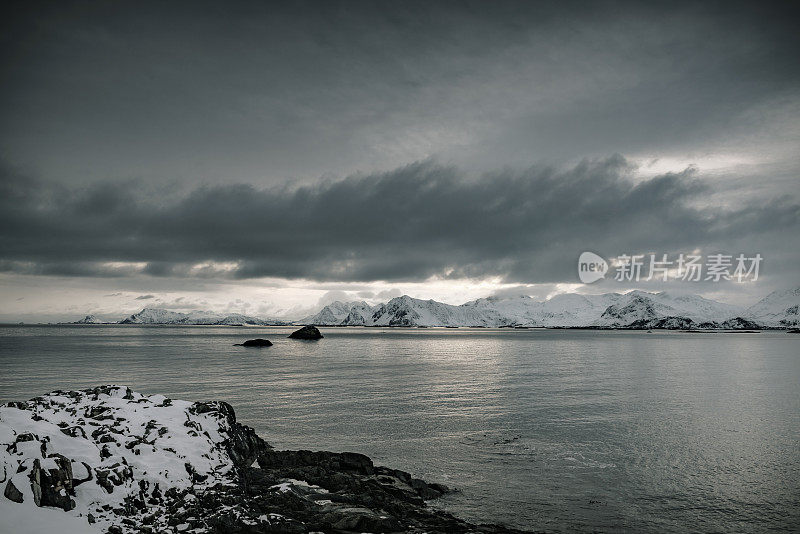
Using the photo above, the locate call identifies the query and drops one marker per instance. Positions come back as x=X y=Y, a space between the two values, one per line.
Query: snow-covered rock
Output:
x=110 y=460
x=115 y=458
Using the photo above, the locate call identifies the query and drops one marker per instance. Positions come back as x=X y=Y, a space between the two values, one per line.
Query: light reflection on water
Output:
x=553 y=430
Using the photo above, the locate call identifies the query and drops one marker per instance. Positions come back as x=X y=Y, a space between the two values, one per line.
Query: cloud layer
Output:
x=258 y=91
x=415 y=222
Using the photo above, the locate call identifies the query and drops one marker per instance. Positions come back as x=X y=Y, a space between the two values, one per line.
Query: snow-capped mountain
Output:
x=636 y=309
x=161 y=316
x=337 y=313
x=89 y=319
x=779 y=309
x=360 y=314
x=568 y=309
x=698 y=308
x=154 y=316
x=407 y=311
x=650 y=309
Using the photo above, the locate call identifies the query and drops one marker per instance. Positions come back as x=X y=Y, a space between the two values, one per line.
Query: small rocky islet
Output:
x=120 y=462
x=309 y=332
x=258 y=342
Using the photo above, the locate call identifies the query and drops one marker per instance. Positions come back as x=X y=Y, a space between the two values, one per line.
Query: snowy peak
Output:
x=636 y=309
x=779 y=309
x=639 y=309
x=360 y=315
x=408 y=311
x=155 y=316
x=698 y=308
x=89 y=319
x=161 y=316
x=337 y=313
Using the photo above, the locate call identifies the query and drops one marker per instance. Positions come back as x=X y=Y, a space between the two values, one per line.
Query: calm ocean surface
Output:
x=560 y=431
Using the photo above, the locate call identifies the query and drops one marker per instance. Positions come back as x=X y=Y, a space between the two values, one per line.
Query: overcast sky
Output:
x=268 y=158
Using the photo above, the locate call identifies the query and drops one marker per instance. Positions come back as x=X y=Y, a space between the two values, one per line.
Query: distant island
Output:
x=639 y=310
x=161 y=316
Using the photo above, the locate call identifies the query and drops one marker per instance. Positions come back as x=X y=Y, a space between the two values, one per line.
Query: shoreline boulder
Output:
x=307 y=332
x=255 y=343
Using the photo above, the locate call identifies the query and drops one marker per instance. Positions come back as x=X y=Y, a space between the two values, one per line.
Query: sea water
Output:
x=554 y=430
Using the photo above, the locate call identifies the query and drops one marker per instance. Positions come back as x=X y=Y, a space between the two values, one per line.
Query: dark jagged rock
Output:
x=52 y=482
x=792 y=317
x=345 y=461
x=220 y=408
x=290 y=492
x=244 y=446
x=346 y=492
x=740 y=323
x=255 y=343
x=307 y=332
x=358 y=519
x=664 y=323
x=12 y=493
x=117 y=475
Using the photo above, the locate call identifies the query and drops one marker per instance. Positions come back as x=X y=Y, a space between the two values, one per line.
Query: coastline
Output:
x=117 y=461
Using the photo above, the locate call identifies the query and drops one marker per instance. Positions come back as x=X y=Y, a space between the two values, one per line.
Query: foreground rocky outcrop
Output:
x=115 y=461
x=307 y=332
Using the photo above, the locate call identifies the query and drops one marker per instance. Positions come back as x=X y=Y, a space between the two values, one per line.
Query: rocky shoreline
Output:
x=119 y=462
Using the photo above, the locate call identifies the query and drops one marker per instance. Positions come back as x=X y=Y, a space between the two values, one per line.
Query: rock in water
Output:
x=255 y=343
x=307 y=332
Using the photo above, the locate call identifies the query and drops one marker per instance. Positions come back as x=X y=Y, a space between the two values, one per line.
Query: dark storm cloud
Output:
x=145 y=297
x=114 y=103
x=417 y=221
x=258 y=91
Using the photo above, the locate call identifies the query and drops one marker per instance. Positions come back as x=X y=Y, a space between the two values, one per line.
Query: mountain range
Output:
x=635 y=309
x=162 y=316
